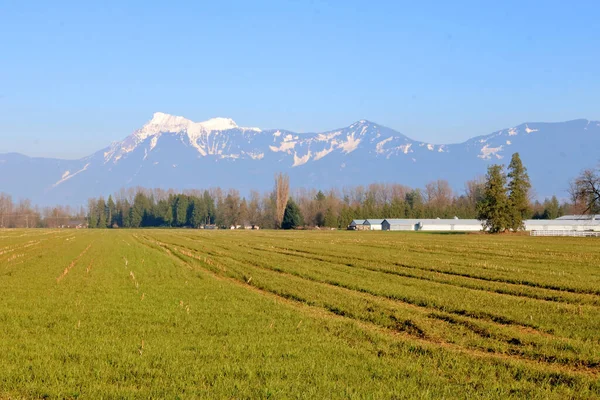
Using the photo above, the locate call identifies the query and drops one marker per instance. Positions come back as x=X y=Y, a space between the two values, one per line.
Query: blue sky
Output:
x=76 y=76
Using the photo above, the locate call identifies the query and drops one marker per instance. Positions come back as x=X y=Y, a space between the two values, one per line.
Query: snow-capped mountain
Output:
x=174 y=152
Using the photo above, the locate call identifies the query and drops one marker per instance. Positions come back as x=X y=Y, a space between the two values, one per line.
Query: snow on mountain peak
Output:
x=219 y=124
x=162 y=123
x=201 y=135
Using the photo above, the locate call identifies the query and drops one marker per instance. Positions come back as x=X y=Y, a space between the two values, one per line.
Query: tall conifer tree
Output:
x=493 y=209
x=518 y=198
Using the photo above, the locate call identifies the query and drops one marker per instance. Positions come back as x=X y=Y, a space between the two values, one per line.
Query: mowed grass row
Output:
x=187 y=314
x=568 y=320
x=507 y=259
x=430 y=313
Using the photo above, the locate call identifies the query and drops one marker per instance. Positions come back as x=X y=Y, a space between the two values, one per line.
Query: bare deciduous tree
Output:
x=6 y=206
x=438 y=194
x=282 y=193
x=474 y=190
x=585 y=191
x=254 y=208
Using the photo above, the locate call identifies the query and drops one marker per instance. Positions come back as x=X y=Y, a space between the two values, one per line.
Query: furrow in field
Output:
x=455 y=255
x=492 y=283
x=25 y=253
x=72 y=264
x=557 y=288
x=395 y=319
x=506 y=337
x=515 y=312
x=315 y=276
x=433 y=275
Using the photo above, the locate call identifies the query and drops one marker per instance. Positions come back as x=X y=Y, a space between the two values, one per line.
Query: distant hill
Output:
x=174 y=152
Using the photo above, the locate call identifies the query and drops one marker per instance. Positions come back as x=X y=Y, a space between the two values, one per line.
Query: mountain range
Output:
x=175 y=152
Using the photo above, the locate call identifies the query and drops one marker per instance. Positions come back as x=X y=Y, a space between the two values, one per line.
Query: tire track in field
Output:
x=500 y=320
x=72 y=264
x=571 y=366
x=468 y=325
x=481 y=255
x=12 y=249
x=595 y=301
x=475 y=314
x=485 y=316
x=425 y=305
x=31 y=252
x=507 y=337
x=318 y=256
x=466 y=285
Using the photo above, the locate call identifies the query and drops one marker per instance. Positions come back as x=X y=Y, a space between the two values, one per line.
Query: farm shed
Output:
x=356 y=224
x=570 y=223
x=399 y=224
x=562 y=225
x=373 y=224
x=592 y=217
x=455 y=224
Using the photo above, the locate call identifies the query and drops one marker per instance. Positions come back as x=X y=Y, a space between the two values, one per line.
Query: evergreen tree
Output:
x=92 y=219
x=209 y=206
x=330 y=219
x=397 y=208
x=198 y=216
x=493 y=208
x=164 y=213
x=291 y=216
x=415 y=204
x=551 y=208
x=101 y=213
x=319 y=218
x=346 y=216
x=139 y=210
x=518 y=198
x=181 y=210
x=111 y=211
x=124 y=214
x=320 y=197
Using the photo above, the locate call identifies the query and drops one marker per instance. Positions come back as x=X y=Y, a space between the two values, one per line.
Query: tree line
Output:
x=279 y=208
x=22 y=214
x=334 y=208
x=503 y=199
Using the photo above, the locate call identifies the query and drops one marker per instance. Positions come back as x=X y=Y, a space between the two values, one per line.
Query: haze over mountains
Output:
x=174 y=152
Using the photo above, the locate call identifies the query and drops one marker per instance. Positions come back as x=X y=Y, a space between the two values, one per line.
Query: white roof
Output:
x=373 y=221
x=580 y=217
x=357 y=221
x=402 y=221
x=429 y=221
x=452 y=221
x=562 y=222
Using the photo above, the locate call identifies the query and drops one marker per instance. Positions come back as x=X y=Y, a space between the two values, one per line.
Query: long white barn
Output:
x=474 y=225
x=562 y=225
x=455 y=224
x=373 y=224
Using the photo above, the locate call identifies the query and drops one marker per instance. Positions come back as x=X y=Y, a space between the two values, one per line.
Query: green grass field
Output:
x=259 y=314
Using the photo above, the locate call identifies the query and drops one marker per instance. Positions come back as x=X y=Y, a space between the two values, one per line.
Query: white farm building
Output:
x=455 y=224
x=580 y=225
x=373 y=224
x=567 y=223
x=591 y=217
x=400 y=224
